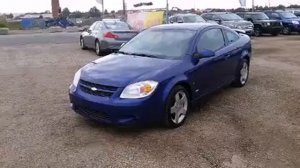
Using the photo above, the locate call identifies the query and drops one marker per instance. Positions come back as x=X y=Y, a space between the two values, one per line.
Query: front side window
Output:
x=93 y=26
x=165 y=44
x=211 y=40
x=231 y=36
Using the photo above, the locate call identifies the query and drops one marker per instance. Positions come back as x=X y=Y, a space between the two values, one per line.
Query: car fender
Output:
x=169 y=85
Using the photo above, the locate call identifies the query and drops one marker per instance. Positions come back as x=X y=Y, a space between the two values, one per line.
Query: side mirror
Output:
x=204 y=54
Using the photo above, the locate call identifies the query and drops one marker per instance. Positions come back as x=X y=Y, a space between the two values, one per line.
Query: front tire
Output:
x=286 y=31
x=257 y=32
x=177 y=107
x=243 y=74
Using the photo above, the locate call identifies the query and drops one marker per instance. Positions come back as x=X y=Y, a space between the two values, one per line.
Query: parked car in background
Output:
x=157 y=75
x=262 y=23
x=290 y=22
x=186 y=18
x=106 y=35
x=230 y=20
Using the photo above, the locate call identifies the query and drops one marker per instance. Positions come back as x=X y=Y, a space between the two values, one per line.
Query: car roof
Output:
x=219 y=13
x=185 y=14
x=184 y=26
x=249 y=12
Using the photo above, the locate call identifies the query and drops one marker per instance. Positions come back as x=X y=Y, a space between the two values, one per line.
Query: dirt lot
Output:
x=256 y=126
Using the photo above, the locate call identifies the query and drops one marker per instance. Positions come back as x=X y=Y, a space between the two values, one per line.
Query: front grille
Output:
x=92 y=114
x=97 y=89
x=275 y=24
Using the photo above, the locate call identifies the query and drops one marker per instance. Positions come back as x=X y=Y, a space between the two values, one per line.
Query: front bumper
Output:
x=249 y=32
x=295 y=27
x=116 y=111
x=272 y=29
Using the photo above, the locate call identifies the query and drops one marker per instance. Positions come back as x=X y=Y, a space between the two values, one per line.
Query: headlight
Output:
x=139 y=90
x=76 y=78
x=295 y=22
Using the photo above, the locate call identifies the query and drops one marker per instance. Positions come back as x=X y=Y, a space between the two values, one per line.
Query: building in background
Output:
x=56 y=10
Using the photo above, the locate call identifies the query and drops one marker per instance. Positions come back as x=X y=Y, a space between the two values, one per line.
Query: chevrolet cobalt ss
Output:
x=158 y=74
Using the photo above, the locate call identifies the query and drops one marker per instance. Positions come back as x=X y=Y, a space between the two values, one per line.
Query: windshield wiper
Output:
x=122 y=52
x=144 y=55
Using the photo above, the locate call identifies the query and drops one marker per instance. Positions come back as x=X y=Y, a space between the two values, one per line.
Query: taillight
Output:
x=110 y=35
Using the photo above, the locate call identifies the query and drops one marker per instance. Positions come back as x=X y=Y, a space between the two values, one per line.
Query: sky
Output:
x=22 y=6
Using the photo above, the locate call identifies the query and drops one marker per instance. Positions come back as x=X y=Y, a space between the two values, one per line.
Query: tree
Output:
x=10 y=16
x=94 y=12
x=105 y=12
x=66 y=12
x=113 y=12
x=77 y=14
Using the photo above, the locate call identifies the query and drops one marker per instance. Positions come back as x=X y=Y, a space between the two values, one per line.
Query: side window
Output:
x=275 y=16
x=231 y=36
x=98 y=26
x=212 y=39
x=215 y=17
x=207 y=16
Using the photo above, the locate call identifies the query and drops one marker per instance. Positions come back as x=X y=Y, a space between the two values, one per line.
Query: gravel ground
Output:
x=256 y=126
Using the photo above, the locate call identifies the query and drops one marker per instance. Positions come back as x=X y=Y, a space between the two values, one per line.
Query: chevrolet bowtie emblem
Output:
x=94 y=89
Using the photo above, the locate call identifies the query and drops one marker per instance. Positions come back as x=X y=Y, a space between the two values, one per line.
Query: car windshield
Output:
x=288 y=15
x=230 y=17
x=260 y=16
x=116 y=25
x=164 y=44
x=193 y=19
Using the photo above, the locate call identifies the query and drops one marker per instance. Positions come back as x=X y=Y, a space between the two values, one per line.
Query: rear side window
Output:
x=211 y=40
x=207 y=16
x=231 y=36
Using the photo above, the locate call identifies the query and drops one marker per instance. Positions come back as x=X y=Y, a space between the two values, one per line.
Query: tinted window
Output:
x=230 y=16
x=193 y=19
x=169 y=44
x=288 y=15
x=211 y=40
x=275 y=15
x=116 y=25
x=207 y=16
x=231 y=36
x=260 y=16
x=215 y=17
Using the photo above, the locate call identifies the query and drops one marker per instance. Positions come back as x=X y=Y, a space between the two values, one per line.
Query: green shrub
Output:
x=2 y=25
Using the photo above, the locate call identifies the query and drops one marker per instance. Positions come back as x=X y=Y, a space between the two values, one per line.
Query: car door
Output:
x=234 y=51
x=209 y=73
x=88 y=39
x=96 y=31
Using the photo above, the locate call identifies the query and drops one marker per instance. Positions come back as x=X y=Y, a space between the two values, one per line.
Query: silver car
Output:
x=106 y=35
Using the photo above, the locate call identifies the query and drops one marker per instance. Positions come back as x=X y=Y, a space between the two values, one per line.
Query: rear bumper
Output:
x=295 y=28
x=111 y=45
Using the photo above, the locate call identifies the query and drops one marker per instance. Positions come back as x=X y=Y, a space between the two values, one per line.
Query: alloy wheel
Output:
x=180 y=107
x=244 y=73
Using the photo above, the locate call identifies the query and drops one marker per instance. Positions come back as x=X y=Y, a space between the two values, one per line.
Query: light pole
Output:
x=252 y=5
x=167 y=12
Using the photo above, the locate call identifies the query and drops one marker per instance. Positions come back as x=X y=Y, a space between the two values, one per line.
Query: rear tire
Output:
x=82 y=45
x=177 y=107
x=243 y=74
x=98 y=48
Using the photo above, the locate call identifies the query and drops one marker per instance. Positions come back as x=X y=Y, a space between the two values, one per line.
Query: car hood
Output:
x=120 y=70
x=267 y=21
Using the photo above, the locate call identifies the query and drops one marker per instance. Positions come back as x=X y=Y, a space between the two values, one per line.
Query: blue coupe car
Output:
x=158 y=74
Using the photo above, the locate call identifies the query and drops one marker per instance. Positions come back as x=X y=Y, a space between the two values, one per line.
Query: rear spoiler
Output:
x=239 y=31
